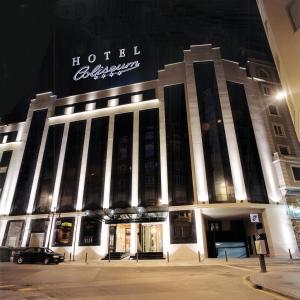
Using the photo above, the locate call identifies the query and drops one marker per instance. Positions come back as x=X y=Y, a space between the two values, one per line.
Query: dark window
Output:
x=13 y=234
x=183 y=228
x=59 y=110
x=284 y=150
x=178 y=150
x=101 y=103
x=264 y=74
x=11 y=136
x=79 y=107
x=149 y=158
x=148 y=94
x=266 y=90
x=124 y=99
x=296 y=173
x=37 y=233
x=90 y=231
x=71 y=169
x=95 y=171
x=63 y=235
x=214 y=226
x=253 y=175
x=218 y=172
x=4 y=165
x=273 y=110
x=31 y=151
x=44 y=192
x=120 y=190
x=278 y=129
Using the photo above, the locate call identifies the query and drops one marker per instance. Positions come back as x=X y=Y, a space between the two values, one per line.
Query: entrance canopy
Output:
x=134 y=214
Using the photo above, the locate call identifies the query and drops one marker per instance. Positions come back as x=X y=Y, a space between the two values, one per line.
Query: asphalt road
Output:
x=94 y=281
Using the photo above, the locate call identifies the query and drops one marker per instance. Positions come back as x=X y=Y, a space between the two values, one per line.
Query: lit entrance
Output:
x=150 y=238
x=119 y=238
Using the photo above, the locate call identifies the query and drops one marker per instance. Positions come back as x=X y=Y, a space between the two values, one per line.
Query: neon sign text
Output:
x=103 y=71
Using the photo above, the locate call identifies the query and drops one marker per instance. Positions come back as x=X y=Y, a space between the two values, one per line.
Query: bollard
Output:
x=199 y=258
x=137 y=257
x=108 y=256
x=86 y=255
x=168 y=257
x=70 y=257
x=73 y=256
x=291 y=257
x=64 y=255
x=262 y=263
x=226 y=256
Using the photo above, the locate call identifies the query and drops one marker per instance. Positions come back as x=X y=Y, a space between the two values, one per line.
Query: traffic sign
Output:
x=254 y=218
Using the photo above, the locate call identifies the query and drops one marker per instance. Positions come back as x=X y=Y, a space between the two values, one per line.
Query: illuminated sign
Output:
x=102 y=71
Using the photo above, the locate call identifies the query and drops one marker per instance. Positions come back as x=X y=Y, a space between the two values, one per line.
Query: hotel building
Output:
x=173 y=166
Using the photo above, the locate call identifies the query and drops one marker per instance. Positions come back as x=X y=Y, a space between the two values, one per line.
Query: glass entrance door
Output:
x=151 y=238
x=119 y=238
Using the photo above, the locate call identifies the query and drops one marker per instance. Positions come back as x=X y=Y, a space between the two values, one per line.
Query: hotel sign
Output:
x=101 y=71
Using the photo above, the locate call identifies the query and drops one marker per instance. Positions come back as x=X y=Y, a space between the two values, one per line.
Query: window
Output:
x=266 y=90
x=13 y=234
x=264 y=74
x=284 y=150
x=90 y=231
x=183 y=228
x=278 y=129
x=294 y=13
x=273 y=110
x=296 y=173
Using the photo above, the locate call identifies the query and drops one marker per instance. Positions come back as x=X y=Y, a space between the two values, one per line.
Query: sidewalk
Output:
x=285 y=281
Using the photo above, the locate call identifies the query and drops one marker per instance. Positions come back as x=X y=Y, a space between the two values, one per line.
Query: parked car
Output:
x=37 y=254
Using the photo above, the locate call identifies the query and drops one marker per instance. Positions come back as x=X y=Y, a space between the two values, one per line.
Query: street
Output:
x=128 y=280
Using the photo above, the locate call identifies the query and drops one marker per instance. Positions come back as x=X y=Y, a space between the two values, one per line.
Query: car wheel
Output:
x=20 y=260
x=46 y=261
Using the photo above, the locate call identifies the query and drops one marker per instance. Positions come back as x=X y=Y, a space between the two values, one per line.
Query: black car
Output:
x=37 y=254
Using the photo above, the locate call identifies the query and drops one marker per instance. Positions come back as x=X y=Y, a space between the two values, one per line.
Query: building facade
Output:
x=196 y=162
x=281 y=19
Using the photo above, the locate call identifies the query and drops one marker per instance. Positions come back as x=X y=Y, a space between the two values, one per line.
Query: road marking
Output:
x=234 y=267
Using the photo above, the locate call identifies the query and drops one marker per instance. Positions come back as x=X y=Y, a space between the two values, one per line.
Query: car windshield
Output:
x=47 y=250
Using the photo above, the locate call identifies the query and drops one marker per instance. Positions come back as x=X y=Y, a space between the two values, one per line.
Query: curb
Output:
x=270 y=290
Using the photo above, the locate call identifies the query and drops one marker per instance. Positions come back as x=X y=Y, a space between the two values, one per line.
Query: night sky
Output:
x=40 y=37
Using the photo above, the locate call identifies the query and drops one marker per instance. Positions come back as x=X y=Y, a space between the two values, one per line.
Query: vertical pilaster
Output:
x=135 y=161
x=163 y=148
x=3 y=225
x=200 y=232
x=232 y=145
x=108 y=166
x=83 y=165
x=166 y=235
x=60 y=167
x=38 y=169
x=76 y=236
x=133 y=239
x=195 y=134
x=26 y=232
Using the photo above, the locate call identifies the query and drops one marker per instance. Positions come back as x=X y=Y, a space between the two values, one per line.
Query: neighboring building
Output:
x=281 y=19
x=174 y=165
